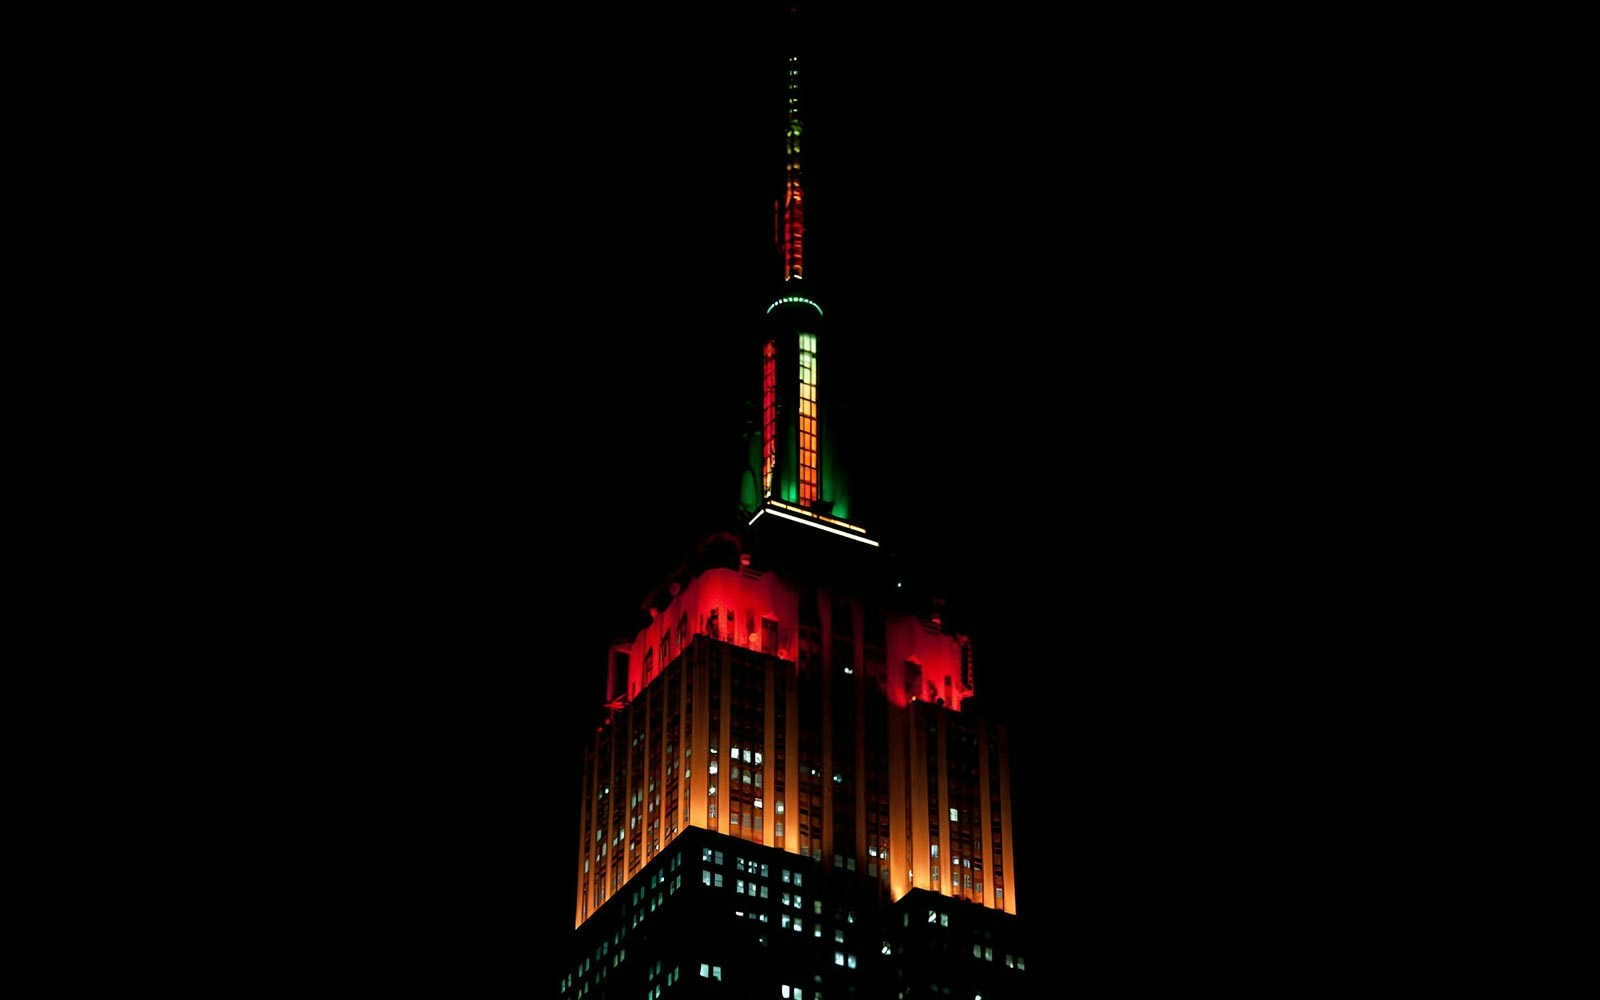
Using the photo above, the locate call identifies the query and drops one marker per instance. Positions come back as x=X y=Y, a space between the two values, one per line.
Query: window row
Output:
x=987 y=954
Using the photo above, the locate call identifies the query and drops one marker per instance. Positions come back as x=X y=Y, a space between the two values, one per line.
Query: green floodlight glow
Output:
x=794 y=298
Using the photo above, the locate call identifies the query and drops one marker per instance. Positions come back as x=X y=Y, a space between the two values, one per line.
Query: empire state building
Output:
x=794 y=792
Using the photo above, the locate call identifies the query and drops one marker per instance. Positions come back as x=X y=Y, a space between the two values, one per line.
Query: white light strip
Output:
x=821 y=527
x=758 y=514
x=794 y=298
x=819 y=517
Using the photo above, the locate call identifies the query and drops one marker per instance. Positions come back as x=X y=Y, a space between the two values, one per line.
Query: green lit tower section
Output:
x=793 y=470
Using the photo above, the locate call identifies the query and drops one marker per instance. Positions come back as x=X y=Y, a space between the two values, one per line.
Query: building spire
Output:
x=791 y=221
x=794 y=473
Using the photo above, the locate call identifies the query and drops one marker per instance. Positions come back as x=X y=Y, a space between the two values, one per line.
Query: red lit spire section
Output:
x=794 y=218
x=769 y=415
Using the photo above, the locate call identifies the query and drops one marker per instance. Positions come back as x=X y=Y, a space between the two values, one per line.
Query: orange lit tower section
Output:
x=793 y=468
x=773 y=708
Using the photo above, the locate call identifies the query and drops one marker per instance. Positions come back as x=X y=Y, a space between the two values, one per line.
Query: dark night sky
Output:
x=440 y=324
x=547 y=418
x=930 y=217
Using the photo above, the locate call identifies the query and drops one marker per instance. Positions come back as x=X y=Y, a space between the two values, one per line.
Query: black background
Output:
x=934 y=246
x=1054 y=316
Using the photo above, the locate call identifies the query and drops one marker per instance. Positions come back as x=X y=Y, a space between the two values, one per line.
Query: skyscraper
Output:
x=793 y=792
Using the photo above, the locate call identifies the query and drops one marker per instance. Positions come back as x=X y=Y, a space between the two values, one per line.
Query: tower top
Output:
x=789 y=220
x=794 y=472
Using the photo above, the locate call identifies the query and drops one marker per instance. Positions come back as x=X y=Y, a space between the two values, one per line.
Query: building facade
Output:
x=780 y=710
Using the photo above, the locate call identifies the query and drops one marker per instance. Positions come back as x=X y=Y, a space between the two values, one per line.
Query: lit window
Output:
x=705 y=877
x=838 y=935
x=705 y=970
x=747 y=756
x=955 y=815
x=758 y=756
x=850 y=961
x=838 y=958
x=769 y=402
x=1021 y=965
x=808 y=419
x=988 y=954
x=944 y=920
